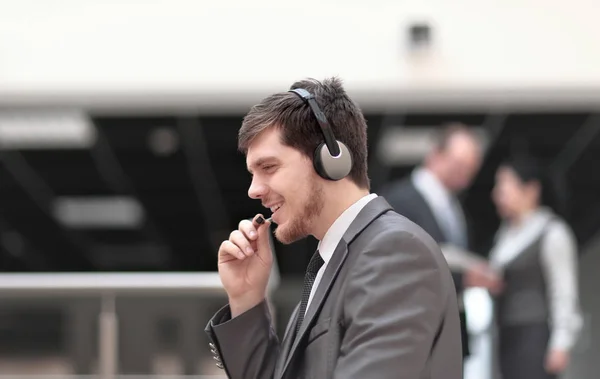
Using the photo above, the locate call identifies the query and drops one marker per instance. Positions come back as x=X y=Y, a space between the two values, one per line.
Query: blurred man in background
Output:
x=429 y=198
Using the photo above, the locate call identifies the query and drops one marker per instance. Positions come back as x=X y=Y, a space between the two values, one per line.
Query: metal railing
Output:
x=107 y=286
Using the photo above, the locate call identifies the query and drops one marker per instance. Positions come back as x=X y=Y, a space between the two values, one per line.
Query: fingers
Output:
x=242 y=241
x=249 y=228
x=556 y=361
x=259 y=219
x=263 y=232
x=252 y=229
x=229 y=248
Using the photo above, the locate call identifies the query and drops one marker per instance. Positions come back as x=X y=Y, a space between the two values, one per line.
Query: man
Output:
x=428 y=198
x=378 y=300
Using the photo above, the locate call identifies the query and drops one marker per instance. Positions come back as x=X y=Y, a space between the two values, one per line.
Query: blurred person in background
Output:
x=537 y=312
x=429 y=198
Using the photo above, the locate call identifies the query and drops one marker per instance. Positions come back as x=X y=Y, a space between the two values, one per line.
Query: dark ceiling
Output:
x=193 y=191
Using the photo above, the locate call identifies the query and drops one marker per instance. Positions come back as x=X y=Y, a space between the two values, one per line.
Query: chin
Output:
x=505 y=214
x=285 y=237
x=290 y=232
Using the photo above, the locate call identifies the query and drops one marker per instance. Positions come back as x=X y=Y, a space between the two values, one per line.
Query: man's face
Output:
x=459 y=162
x=285 y=181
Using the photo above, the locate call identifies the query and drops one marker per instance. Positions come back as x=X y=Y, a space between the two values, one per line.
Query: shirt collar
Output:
x=430 y=186
x=533 y=221
x=512 y=239
x=335 y=233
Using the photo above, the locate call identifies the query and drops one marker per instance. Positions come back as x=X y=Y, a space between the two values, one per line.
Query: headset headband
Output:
x=330 y=140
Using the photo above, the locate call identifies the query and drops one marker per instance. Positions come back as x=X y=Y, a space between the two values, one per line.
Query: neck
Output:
x=522 y=215
x=337 y=200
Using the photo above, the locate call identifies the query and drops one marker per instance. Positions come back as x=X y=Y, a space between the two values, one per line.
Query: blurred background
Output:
x=119 y=174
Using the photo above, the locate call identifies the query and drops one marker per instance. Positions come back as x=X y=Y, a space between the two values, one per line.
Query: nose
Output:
x=257 y=189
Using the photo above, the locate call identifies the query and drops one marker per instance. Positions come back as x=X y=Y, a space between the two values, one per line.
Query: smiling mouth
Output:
x=275 y=208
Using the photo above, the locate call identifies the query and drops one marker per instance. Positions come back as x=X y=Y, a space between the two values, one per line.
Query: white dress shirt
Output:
x=334 y=235
x=450 y=218
x=559 y=261
x=443 y=204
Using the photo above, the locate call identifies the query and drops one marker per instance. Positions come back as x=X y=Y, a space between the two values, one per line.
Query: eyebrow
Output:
x=261 y=161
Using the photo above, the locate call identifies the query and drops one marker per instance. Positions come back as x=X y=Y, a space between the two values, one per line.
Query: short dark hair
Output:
x=447 y=131
x=299 y=128
x=531 y=169
x=526 y=167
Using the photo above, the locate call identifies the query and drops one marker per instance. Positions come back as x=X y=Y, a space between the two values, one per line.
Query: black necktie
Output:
x=309 y=278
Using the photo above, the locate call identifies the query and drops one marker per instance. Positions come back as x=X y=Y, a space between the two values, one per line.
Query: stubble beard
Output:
x=298 y=227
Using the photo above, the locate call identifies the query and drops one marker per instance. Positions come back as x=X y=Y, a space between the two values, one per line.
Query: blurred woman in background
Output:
x=537 y=309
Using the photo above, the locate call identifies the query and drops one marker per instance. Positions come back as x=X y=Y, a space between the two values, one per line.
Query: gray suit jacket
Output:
x=404 y=197
x=385 y=308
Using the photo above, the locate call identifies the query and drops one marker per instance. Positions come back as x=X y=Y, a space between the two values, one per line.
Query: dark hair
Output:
x=530 y=169
x=299 y=127
x=444 y=134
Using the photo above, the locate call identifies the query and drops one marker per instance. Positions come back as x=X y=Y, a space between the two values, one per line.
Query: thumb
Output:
x=263 y=228
x=263 y=243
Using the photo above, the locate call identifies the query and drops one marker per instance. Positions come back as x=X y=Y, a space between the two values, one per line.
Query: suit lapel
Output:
x=434 y=230
x=368 y=214
x=327 y=280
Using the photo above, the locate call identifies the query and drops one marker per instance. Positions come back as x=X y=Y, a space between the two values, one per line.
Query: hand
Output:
x=556 y=361
x=245 y=261
x=481 y=275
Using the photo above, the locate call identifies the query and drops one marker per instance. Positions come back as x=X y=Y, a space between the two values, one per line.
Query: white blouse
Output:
x=559 y=260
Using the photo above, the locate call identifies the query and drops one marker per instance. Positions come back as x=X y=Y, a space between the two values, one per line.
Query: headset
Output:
x=332 y=159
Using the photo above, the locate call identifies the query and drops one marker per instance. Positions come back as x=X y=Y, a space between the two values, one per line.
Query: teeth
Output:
x=275 y=208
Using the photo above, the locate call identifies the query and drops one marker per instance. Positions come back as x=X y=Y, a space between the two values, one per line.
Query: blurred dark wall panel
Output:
x=159 y=192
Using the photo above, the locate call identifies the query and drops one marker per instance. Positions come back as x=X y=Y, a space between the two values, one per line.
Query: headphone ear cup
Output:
x=318 y=162
x=332 y=168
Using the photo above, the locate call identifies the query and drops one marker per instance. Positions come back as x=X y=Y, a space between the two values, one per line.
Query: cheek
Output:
x=501 y=196
x=294 y=188
x=300 y=192
x=293 y=182
x=512 y=199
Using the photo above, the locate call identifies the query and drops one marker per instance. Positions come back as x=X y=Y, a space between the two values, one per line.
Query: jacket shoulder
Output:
x=391 y=230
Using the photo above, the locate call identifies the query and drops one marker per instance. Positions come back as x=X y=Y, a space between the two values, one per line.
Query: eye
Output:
x=269 y=168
